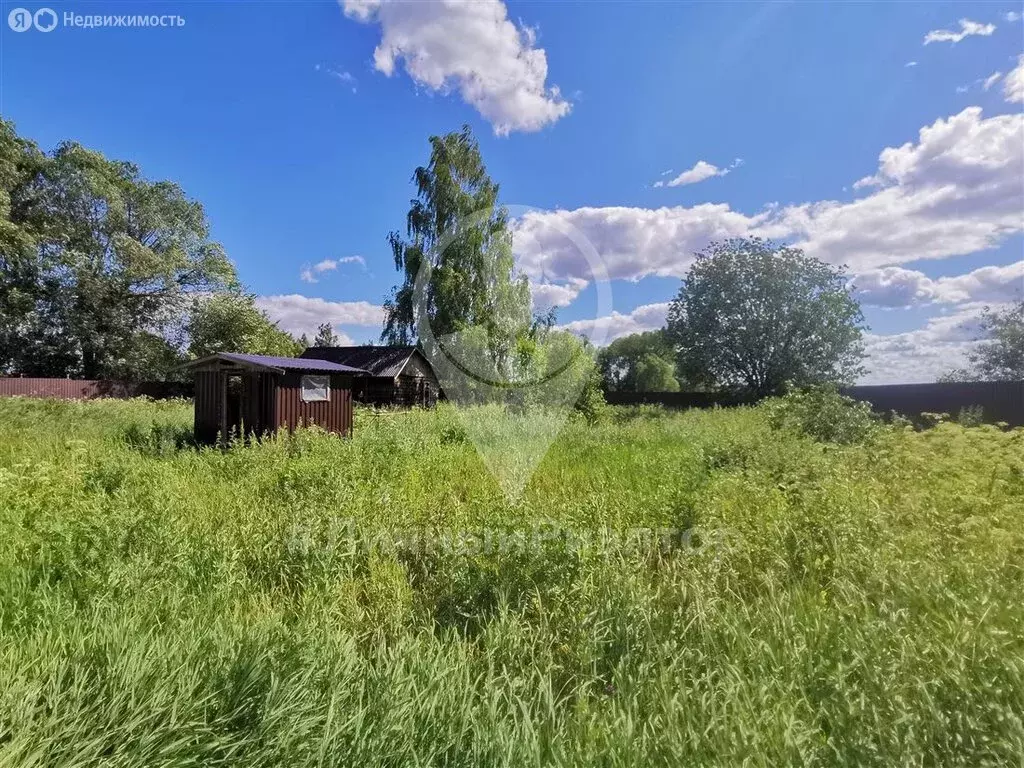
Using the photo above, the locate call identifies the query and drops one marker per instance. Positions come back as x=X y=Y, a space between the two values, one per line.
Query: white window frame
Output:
x=308 y=385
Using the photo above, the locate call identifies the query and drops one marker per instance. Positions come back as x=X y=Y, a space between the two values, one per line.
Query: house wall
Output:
x=334 y=415
x=400 y=392
x=265 y=402
x=206 y=421
x=419 y=368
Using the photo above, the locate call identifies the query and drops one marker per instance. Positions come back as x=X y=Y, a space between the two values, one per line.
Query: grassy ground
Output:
x=817 y=604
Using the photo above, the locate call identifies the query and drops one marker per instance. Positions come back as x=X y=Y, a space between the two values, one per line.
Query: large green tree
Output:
x=33 y=337
x=756 y=315
x=639 y=362
x=231 y=322
x=457 y=231
x=98 y=265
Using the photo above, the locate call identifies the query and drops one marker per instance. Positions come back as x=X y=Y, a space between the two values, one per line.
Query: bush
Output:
x=971 y=416
x=591 y=403
x=823 y=414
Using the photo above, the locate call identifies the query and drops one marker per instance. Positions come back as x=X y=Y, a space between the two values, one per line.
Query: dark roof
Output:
x=384 y=362
x=278 y=364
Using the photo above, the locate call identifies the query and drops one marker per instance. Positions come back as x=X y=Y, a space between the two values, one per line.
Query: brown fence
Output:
x=998 y=400
x=85 y=389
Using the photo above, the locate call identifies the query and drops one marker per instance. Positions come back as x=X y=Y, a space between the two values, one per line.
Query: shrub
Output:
x=823 y=414
x=971 y=416
x=591 y=404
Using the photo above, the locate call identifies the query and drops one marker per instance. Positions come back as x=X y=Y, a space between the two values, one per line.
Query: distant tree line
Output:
x=106 y=274
x=754 y=316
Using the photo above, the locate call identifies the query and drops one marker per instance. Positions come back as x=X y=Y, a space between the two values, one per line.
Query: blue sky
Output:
x=298 y=125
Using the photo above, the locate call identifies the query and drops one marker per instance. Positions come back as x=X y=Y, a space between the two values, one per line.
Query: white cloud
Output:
x=991 y=285
x=967 y=29
x=985 y=82
x=893 y=287
x=631 y=242
x=700 y=172
x=954 y=191
x=1012 y=16
x=898 y=287
x=925 y=354
x=867 y=181
x=345 y=77
x=472 y=47
x=910 y=64
x=648 y=317
x=299 y=314
x=991 y=80
x=310 y=274
x=1013 y=85
x=547 y=294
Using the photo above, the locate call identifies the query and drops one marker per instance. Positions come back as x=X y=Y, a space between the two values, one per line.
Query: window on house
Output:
x=316 y=389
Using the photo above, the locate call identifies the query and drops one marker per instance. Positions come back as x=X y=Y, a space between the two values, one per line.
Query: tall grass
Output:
x=828 y=604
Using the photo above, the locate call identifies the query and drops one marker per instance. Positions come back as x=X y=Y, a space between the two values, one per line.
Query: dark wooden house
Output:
x=398 y=376
x=238 y=394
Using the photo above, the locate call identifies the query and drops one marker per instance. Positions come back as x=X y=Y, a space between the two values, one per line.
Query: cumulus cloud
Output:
x=631 y=242
x=701 y=171
x=954 y=191
x=1013 y=85
x=925 y=354
x=311 y=273
x=299 y=314
x=893 y=287
x=967 y=29
x=547 y=294
x=471 y=47
x=648 y=317
x=897 y=287
x=992 y=285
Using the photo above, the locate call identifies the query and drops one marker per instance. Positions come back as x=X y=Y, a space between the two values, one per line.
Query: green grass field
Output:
x=318 y=601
